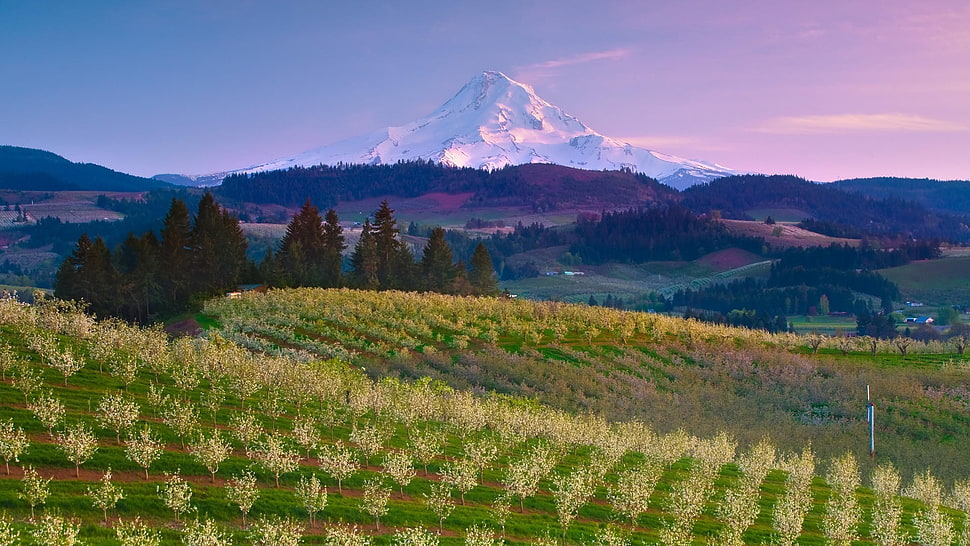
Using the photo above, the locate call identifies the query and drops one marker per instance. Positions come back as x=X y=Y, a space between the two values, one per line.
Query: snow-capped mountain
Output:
x=495 y=121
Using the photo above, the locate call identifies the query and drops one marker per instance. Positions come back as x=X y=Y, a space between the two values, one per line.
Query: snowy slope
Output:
x=495 y=121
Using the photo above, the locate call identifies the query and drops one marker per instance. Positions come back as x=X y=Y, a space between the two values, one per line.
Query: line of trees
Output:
x=806 y=281
x=311 y=254
x=199 y=257
x=640 y=235
x=191 y=258
x=835 y=212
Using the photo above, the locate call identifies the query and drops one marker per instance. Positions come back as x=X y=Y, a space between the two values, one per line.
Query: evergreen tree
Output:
x=461 y=286
x=218 y=249
x=203 y=246
x=87 y=274
x=481 y=273
x=437 y=267
x=302 y=249
x=68 y=279
x=232 y=256
x=137 y=263
x=175 y=255
x=333 y=249
x=404 y=269
x=389 y=249
x=363 y=261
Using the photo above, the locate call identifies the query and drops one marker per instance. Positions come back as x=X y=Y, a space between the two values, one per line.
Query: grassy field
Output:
x=69 y=206
x=574 y=463
x=448 y=211
x=629 y=281
x=784 y=235
x=829 y=326
x=935 y=282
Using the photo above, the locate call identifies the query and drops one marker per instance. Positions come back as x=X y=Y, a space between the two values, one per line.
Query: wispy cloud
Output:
x=657 y=141
x=581 y=58
x=839 y=123
x=541 y=70
x=691 y=147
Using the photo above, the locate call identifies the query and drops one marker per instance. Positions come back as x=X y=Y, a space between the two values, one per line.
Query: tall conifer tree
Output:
x=204 y=246
x=395 y=263
x=137 y=262
x=301 y=249
x=175 y=254
x=437 y=264
x=364 y=263
x=87 y=274
x=333 y=249
x=481 y=273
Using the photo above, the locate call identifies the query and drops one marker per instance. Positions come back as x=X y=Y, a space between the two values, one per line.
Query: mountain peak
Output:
x=494 y=121
x=487 y=88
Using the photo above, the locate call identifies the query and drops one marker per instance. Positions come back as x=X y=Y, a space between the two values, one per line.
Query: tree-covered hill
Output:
x=833 y=211
x=38 y=170
x=542 y=187
x=948 y=197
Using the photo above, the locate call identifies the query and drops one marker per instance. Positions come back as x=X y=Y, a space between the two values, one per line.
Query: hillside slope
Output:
x=950 y=197
x=668 y=373
x=319 y=450
x=30 y=169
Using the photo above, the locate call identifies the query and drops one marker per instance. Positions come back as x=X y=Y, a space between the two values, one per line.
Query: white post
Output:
x=871 y=419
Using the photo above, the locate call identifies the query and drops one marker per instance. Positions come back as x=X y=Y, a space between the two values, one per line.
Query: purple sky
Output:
x=823 y=89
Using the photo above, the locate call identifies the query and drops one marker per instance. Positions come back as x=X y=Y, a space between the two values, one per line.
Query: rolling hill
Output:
x=178 y=440
x=38 y=170
x=949 y=197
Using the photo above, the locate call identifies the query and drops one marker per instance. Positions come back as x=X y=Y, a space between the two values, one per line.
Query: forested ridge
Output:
x=544 y=187
x=37 y=170
x=807 y=281
x=949 y=197
x=831 y=209
x=640 y=235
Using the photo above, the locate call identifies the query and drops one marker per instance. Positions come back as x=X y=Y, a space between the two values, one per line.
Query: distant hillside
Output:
x=951 y=197
x=833 y=211
x=37 y=170
x=541 y=186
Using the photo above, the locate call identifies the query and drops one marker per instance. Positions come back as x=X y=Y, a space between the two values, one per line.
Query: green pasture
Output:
x=935 y=282
x=825 y=325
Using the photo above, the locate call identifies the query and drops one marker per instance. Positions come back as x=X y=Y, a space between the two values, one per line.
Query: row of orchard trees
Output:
x=282 y=409
x=311 y=254
x=410 y=320
x=192 y=257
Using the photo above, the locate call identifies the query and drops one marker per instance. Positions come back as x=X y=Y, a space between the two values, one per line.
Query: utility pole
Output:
x=871 y=419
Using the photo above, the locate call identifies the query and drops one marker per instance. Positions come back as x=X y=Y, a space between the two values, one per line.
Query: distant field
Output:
x=631 y=282
x=784 y=236
x=439 y=209
x=74 y=207
x=263 y=230
x=823 y=325
x=779 y=215
x=730 y=258
x=934 y=282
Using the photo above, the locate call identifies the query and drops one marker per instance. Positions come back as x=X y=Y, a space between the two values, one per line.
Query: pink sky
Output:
x=821 y=89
